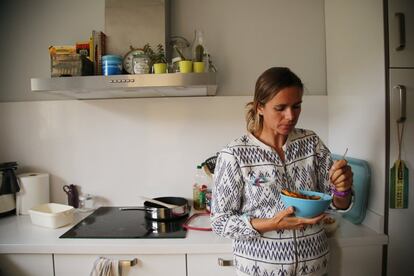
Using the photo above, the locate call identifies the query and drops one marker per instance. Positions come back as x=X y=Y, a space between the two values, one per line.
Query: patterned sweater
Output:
x=248 y=178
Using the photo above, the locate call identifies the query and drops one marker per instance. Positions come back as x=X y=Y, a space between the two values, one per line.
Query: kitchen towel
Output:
x=34 y=190
x=105 y=267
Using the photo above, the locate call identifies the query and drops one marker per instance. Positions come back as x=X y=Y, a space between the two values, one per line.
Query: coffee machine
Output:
x=9 y=186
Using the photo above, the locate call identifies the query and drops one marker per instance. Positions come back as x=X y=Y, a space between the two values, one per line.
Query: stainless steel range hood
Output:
x=128 y=86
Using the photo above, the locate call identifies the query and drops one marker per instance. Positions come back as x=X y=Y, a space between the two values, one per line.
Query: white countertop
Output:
x=19 y=235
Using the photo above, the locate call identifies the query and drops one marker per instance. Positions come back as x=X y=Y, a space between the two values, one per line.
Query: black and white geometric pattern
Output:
x=248 y=178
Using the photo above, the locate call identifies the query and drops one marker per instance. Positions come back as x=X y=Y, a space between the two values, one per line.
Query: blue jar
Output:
x=111 y=65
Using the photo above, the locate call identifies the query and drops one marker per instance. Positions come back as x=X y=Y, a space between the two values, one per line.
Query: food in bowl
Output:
x=300 y=195
x=307 y=205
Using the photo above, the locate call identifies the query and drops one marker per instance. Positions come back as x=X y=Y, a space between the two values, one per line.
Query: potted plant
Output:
x=185 y=65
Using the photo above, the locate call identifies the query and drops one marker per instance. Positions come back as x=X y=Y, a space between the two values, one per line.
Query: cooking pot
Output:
x=157 y=212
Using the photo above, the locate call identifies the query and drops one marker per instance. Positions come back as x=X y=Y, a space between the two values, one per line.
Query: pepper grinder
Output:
x=73 y=196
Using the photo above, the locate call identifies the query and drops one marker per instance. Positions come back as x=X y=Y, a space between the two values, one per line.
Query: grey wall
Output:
x=28 y=28
x=244 y=38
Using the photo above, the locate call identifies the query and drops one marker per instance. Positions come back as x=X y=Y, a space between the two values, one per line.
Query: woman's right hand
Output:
x=284 y=220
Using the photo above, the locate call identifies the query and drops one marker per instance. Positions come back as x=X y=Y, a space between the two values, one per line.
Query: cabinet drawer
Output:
x=210 y=264
x=155 y=265
x=26 y=264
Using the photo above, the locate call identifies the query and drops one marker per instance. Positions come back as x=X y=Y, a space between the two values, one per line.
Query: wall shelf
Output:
x=128 y=86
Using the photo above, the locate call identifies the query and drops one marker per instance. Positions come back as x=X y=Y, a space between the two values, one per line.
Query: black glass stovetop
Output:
x=112 y=223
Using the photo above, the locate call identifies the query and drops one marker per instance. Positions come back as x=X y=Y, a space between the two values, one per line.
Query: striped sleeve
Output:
x=324 y=164
x=226 y=215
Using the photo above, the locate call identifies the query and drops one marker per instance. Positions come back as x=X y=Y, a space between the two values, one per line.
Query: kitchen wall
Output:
x=28 y=28
x=244 y=37
x=356 y=87
x=119 y=149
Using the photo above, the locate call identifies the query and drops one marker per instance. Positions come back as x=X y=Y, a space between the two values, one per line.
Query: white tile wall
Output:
x=120 y=149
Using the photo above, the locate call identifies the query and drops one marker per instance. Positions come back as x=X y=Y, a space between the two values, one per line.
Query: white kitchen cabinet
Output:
x=26 y=264
x=355 y=260
x=154 y=265
x=210 y=264
x=401 y=39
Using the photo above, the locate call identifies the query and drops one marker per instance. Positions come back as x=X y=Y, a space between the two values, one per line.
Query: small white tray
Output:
x=52 y=215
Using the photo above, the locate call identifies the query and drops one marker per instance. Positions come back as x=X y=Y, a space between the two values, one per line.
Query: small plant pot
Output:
x=186 y=66
x=198 y=67
x=160 y=68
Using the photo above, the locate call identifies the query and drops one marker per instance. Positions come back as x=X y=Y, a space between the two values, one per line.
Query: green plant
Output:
x=159 y=56
x=148 y=51
x=199 y=53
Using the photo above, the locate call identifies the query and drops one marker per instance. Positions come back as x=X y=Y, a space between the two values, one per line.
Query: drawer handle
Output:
x=222 y=262
x=129 y=263
x=401 y=31
x=132 y=262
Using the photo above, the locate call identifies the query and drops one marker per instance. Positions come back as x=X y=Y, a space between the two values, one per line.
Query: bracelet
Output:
x=341 y=194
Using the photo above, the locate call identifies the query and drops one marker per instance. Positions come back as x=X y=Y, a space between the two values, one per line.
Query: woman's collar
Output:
x=258 y=142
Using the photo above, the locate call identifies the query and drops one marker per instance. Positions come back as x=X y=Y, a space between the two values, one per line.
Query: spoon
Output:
x=343 y=156
x=169 y=206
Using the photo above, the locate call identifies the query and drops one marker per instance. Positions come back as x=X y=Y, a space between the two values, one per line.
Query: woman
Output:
x=251 y=172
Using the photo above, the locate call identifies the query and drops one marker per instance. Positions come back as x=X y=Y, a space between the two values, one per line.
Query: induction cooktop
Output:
x=114 y=223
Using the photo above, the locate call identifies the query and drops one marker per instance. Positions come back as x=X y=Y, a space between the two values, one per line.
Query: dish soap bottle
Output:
x=200 y=186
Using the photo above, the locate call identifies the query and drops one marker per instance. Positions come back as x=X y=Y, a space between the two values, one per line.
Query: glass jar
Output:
x=111 y=65
x=86 y=203
x=140 y=64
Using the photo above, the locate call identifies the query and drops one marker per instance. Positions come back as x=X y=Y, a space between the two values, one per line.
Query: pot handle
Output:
x=137 y=209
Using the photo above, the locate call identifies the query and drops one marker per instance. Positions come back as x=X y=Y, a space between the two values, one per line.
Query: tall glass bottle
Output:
x=198 y=47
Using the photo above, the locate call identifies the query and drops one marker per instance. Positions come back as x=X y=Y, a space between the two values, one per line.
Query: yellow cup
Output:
x=160 y=68
x=186 y=66
x=198 y=67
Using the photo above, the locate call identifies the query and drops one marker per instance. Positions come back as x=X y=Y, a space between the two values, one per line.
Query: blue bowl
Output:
x=308 y=208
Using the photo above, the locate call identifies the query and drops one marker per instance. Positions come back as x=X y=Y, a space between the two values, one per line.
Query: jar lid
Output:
x=112 y=57
x=140 y=54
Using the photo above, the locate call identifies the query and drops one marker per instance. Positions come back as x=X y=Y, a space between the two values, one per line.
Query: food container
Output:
x=69 y=65
x=51 y=215
x=111 y=65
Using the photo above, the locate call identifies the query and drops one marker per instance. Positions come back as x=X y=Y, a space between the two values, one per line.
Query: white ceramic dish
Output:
x=51 y=215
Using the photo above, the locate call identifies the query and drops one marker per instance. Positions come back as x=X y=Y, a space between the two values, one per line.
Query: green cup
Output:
x=198 y=67
x=186 y=66
x=160 y=68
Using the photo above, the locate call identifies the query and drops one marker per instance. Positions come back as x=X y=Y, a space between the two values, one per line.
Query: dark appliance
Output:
x=9 y=186
x=125 y=223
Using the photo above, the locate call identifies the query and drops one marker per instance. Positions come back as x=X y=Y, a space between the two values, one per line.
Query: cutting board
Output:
x=362 y=181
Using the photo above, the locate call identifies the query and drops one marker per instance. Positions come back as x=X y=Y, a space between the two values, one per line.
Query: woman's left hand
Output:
x=341 y=175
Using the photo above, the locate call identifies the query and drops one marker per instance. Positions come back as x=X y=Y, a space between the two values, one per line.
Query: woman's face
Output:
x=281 y=113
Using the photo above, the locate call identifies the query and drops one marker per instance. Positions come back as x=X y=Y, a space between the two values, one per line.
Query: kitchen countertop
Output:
x=19 y=235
